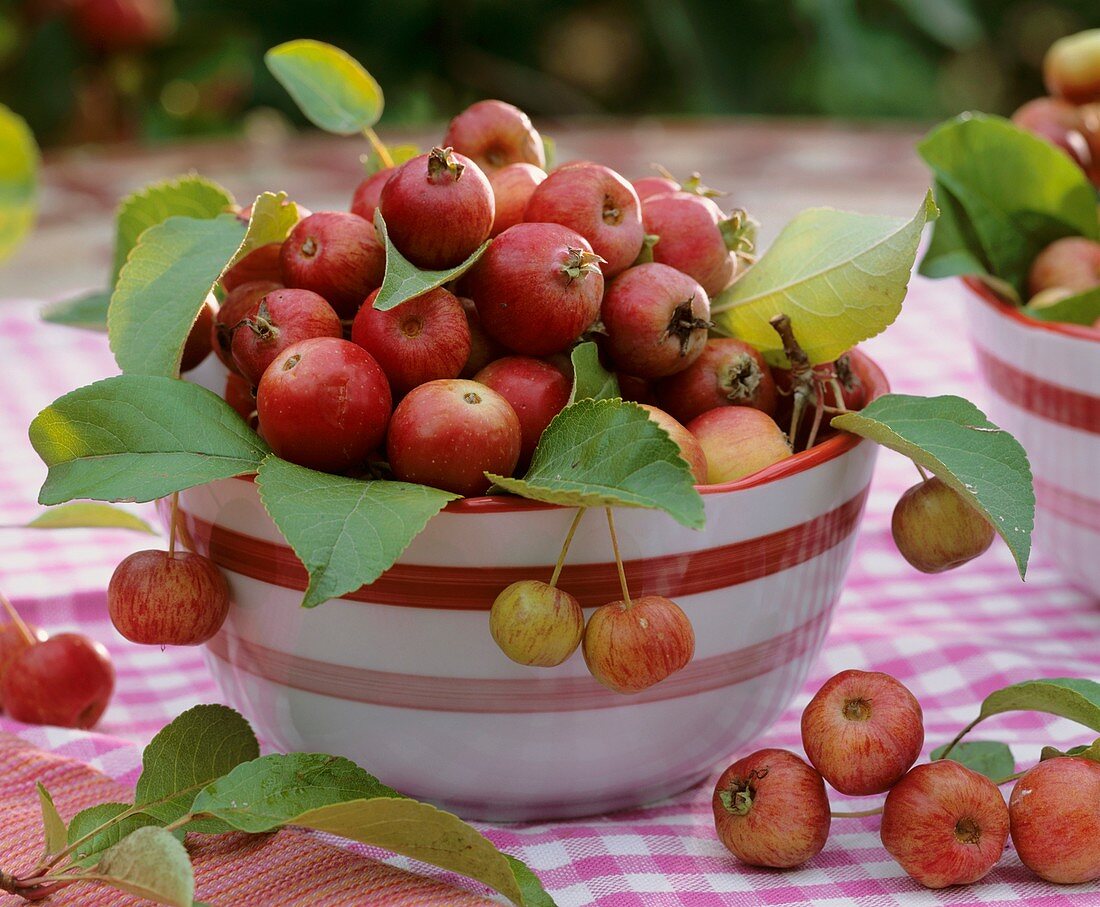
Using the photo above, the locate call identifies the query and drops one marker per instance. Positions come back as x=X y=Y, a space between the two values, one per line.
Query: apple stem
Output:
x=565 y=546
x=858 y=814
x=379 y=147
x=172 y=524
x=838 y=393
x=924 y=475
x=20 y=624
x=618 y=558
x=819 y=399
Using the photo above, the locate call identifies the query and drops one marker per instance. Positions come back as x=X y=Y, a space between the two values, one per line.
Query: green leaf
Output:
x=840 y=277
x=986 y=757
x=953 y=439
x=1067 y=697
x=346 y=532
x=1081 y=308
x=609 y=453
x=404 y=280
x=150 y=863
x=591 y=381
x=273 y=217
x=185 y=196
x=399 y=154
x=953 y=248
x=53 y=826
x=89 y=515
x=99 y=822
x=331 y=87
x=163 y=286
x=18 y=180
x=139 y=438
x=1013 y=194
x=87 y=311
x=1085 y=750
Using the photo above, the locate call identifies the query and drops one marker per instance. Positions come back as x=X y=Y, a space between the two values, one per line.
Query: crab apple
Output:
x=636 y=390
x=281 y=318
x=495 y=134
x=728 y=372
x=935 y=529
x=771 y=809
x=336 y=255
x=537 y=288
x=241 y=396
x=598 y=204
x=367 y=195
x=1071 y=263
x=631 y=645
x=262 y=263
x=112 y=26
x=1071 y=67
x=691 y=451
x=1059 y=122
x=438 y=209
x=451 y=432
x=236 y=306
x=945 y=824
x=66 y=681
x=693 y=237
x=161 y=598
x=199 y=341
x=483 y=348
x=424 y=338
x=13 y=641
x=324 y=403
x=738 y=441
x=649 y=186
x=863 y=731
x=536 y=391
x=1054 y=819
x=536 y=624
x=512 y=189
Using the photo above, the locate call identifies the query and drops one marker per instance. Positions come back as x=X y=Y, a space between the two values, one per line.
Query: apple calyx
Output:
x=857 y=710
x=612 y=213
x=967 y=831
x=741 y=378
x=739 y=796
x=442 y=165
x=739 y=234
x=309 y=247
x=261 y=324
x=581 y=263
x=694 y=185
x=848 y=379
x=684 y=323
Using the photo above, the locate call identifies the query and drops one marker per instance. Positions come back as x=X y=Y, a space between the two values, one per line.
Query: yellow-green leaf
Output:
x=273 y=217
x=53 y=826
x=18 y=180
x=89 y=515
x=150 y=863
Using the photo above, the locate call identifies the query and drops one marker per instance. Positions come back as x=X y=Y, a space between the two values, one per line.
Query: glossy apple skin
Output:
x=536 y=624
x=862 y=731
x=778 y=815
x=112 y=26
x=263 y=263
x=65 y=681
x=241 y=300
x=525 y=297
x=158 y=599
x=536 y=391
x=280 y=319
x=367 y=195
x=1060 y=123
x=936 y=530
x=449 y=433
x=241 y=396
x=483 y=348
x=649 y=186
x=324 y=404
x=495 y=134
x=640 y=312
x=945 y=824
x=629 y=647
x=690 y=240
x=424 y=338
x=1071 y=67
x=199 y=342
x=738 y=441
x=336 y=255
x=438 y=209
x=513 y=187
x=1054 y=819
x=636 y=390
x=728 y=372
x=1072 y=263
x=13 y=642
x=597 y=203
x=690 y=448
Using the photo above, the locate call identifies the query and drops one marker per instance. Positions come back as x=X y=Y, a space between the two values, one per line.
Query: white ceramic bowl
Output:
x=403 y=676
x=1044 y=382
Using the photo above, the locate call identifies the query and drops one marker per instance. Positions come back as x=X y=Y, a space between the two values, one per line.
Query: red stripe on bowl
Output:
x=1068 y=505
x=537 y=693
x=475 y=588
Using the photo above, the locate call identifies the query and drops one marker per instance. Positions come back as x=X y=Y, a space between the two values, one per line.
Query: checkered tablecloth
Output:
x=951 y=638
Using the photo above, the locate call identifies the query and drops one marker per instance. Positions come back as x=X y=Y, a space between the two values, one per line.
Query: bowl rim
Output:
x=1012 y=312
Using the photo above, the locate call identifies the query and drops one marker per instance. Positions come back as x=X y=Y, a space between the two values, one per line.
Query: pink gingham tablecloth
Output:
x=952 y=638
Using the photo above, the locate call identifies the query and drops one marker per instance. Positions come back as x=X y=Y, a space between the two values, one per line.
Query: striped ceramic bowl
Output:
x=403 y=676
x=1044 y=382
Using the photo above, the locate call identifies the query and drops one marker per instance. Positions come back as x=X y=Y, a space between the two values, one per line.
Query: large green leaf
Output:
x=346 y=532
x=150 y=863
x=591 y=381
x=953 y=248
x=840 y=277
x=986 y=757
x=609 y=452
x=87 y=311
x=100 y=827
x=332 y=88
x=89 y=515
x=18 y=180
x=139 y=438
x=953 y=439
x=162 y=288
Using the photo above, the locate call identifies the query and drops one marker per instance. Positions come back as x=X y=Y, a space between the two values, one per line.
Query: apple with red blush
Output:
x=513 y=186
x=728 y=372
x=281 y=318
x=536 y=391
x=66 y=681
x=495 y=134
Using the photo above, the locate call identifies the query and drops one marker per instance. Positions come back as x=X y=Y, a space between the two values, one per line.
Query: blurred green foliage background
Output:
x=109 y=70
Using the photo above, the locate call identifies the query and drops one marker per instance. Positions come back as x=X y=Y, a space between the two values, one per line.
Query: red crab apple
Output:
x=13 y=641
x=159 y=598
x=636 y=390
x=1057 y=121
x=66 y=681
x=262 y=263
x=537 y=288
x=281 y=318
x=438 y=209
x=324 y=404
x=1054 y=816
x=121 y=25
x=1072 y=263
x=656 y=320
x=449 y=433
x=936 y=530
x=336 y=255
x=241 y=300
x=598 y=204
x=695 y=237
x=483 y=348
x=536 y=624
x=242 y=397
x=945 y=824
x=199 y=342
x=738 y=441
x=727 y=373
x=495 y=134
x=771 y=809
x=690 y=449
x=648 y=186
x=1071 y=67
x=631 y=645
x=513 y=187
x=364 y=202
x=536 y=391
x=863 y=731
x=424 y=338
